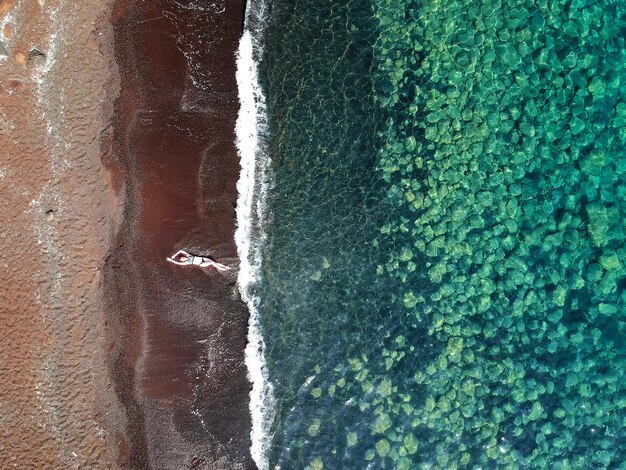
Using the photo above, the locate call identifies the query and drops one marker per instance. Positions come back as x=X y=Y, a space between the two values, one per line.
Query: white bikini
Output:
x=197 y=260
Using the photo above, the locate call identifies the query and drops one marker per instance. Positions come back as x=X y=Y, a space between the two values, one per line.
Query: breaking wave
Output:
x=253 y=186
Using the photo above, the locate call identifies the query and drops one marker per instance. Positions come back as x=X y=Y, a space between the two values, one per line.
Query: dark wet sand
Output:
x=177 y=334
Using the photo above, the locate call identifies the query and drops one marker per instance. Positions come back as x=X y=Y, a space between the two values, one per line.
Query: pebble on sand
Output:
x=5 y=6
x=20 y=58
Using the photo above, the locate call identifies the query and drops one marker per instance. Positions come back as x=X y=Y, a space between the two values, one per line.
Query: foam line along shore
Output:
x=253 y=186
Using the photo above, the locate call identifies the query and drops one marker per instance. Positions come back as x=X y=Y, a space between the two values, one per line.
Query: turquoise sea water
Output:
x=443 y=279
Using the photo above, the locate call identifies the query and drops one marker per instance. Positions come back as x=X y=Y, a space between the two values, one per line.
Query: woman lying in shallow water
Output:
x=182 y=258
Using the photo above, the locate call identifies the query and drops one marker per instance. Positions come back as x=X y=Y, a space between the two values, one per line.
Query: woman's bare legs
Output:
x=206 y=262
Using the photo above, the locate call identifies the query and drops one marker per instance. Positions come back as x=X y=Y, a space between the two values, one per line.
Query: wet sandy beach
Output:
x=114 y=357
x=181 y=331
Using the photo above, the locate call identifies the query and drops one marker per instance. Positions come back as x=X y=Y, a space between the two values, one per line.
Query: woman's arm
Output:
x=180 y=263
x=177 y=258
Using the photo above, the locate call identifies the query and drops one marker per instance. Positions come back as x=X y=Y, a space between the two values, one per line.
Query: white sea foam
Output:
x=253 y=186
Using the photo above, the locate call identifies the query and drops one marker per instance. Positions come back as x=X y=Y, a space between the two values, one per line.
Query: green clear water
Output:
x=444 y=279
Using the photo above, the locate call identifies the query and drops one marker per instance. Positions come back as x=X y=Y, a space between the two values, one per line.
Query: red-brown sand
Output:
x=178 y=333
x=56 y=402
x=117 y=149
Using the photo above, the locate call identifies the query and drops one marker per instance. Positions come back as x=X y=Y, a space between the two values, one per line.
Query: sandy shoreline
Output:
x=114 y=357
x=181 y=332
